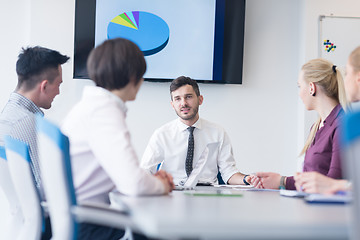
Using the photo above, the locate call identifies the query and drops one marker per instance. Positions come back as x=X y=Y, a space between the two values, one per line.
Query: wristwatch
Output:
x=244 y=180
x=282 y=182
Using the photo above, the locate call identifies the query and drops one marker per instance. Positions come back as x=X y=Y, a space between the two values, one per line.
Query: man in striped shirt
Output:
x=39 y=77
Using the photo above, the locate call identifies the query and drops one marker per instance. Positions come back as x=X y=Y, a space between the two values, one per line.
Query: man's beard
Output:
x=188 y=116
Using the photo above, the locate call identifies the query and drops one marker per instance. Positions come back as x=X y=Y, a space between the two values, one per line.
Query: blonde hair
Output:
x=326 y=75
x=354 y=59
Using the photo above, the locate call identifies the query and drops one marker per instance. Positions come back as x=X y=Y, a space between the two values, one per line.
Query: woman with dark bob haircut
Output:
x=102 y=156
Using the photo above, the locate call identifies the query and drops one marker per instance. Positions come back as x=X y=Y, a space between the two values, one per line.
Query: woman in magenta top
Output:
x=313 y=182
x=321 y=88
x=323 y=155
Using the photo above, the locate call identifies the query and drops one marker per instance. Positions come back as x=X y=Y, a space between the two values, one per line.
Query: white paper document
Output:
x=292 y=193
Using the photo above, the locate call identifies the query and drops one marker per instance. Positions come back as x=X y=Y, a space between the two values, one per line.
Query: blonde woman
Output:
x=313 y=182
x=321 y=89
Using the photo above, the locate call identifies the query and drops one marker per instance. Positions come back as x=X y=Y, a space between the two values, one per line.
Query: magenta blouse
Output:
x=323 y=155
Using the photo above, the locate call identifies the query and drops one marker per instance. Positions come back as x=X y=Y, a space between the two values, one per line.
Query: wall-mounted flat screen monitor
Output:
x=202 y=39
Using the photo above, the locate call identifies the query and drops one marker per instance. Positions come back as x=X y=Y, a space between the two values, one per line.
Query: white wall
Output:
x=15 y=33
x=264 y=118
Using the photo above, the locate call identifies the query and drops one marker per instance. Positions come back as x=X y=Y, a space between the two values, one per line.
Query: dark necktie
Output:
x=190 y=151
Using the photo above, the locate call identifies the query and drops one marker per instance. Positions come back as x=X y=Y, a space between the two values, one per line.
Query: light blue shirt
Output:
x=17 y=119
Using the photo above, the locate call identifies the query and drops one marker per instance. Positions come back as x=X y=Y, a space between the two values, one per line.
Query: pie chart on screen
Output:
x=149 y=31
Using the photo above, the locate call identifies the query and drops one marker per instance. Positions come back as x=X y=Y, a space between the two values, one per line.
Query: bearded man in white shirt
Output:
x=170 y=146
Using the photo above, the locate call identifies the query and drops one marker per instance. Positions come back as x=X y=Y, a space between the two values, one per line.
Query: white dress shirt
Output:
x=168 y=147
x=102 y=156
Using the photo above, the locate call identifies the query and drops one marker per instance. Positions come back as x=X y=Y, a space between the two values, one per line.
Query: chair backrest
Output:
x=16 y=218
x=53 y=148
x=351 y=144
x=18 y=159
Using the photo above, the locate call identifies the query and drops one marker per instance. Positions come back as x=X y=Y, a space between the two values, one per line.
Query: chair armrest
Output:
x=103 y=215
x=105 y=207
x=117 y=203
x=45 y=206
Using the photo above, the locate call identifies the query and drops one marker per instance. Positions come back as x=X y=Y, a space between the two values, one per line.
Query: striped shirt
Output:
x=17 y=119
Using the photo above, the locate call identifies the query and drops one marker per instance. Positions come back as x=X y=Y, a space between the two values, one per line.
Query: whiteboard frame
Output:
x=321 y=18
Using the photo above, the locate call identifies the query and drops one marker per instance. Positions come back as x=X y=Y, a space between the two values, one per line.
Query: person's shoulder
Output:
x=14 y=115
x=338 y=118
x=211 y=125
x=15 y=122
x=169 y=126
x=78 y=115
x=166 y=130
x=26 y=121
x=12 y=110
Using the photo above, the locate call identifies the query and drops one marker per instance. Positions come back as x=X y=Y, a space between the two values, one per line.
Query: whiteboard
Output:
x=343 y=33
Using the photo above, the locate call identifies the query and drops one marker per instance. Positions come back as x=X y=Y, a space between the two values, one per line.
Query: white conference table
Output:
x=254 y=215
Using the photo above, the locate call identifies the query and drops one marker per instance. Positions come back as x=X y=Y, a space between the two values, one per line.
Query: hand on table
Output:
x=166 y=179
x=314 y=182
x=255 y=181
x=269 y=180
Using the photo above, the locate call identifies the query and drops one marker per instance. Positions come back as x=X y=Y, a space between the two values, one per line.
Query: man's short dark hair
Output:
x=35 y=64
x=182 y=81
x=114 y=63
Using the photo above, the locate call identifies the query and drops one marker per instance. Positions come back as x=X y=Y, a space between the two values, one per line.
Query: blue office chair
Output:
x=65 y=212
x=15 y=221
x=18 y=158
x=351 y=146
